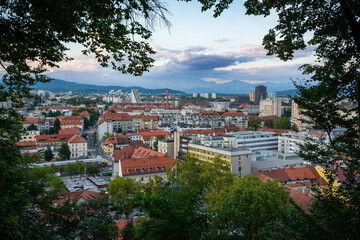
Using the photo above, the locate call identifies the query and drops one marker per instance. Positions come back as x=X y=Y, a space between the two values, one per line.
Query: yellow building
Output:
x=239 y=160
x=252 y=96
x=108 y=146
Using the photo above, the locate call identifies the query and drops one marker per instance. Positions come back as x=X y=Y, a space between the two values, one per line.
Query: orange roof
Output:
x=26 y=144
x=84 y=114
x=148 y=165
x=149 y=118
x=75 y=196
x=73 y=130
x=112 y=140
x=137 y=116
x=54 y=138
x=122 y=223
x=76 y=139
x=74 y=118
x=71 y=122
x=148 y=135
x=233 y=114
x=302 y=200
x=145 y=152
x=290 y=174
x=116 y=116
x=30 y=120
x=128 y=150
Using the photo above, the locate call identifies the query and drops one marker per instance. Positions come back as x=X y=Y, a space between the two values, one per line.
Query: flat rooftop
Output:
x=273 y=162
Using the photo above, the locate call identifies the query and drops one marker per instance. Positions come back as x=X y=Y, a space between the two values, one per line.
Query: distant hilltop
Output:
x=58 y=85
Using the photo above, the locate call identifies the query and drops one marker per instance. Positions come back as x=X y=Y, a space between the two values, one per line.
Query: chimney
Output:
x=167 y=99
x=269 y=170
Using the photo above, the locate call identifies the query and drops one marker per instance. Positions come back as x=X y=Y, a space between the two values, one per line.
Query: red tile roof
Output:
x=302 y=200
x=84 y=114
x=149 y=165
x=149 y=118
x=73 y=130
x=291 y=174
x=128 y=150
x=145 y=153
x=26 y=144
x=233 y=114
x=116 y=116
x=69 y=118
x=148 y=135
x=75 y=196
x=122 y=223
x=76 y=139
x=31 y=120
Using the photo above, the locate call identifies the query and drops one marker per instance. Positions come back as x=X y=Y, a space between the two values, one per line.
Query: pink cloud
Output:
x=222 y=40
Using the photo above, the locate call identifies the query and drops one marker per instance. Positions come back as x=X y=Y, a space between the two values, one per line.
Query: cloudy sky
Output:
x=195 y=49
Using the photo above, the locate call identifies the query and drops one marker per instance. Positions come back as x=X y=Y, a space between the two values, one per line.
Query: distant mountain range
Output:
x=235 y=87
x=58 y=85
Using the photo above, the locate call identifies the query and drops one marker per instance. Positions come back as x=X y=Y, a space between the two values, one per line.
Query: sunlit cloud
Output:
x=222 y=40
x=217 y=80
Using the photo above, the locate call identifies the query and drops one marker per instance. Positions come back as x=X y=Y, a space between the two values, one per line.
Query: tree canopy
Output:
x=330 y=94
x=65 y=150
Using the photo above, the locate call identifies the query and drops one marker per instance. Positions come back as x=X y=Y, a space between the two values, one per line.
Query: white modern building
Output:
x=262 y=144
x=289 y=143
x=135 y=98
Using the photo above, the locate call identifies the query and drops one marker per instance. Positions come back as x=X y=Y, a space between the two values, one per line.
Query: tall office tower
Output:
x=213 y=95
x=252 y=96
x=194 y=95
x=260 y=93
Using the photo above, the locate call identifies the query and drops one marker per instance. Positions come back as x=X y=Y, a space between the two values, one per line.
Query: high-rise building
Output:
x=213 y=95
x=270 y=107
x=252 y=96
x=260 y=94
x=194 y=95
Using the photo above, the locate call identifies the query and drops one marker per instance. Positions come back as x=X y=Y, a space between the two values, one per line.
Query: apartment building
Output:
x=288 y=144
x=239 y=160
x=269 y=107
x=77 y=144
x=29 y=136
x=301 y=121
x=141 y=164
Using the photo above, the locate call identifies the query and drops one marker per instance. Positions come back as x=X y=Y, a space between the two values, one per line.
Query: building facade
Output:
x=239 y=160
x=260 y=93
